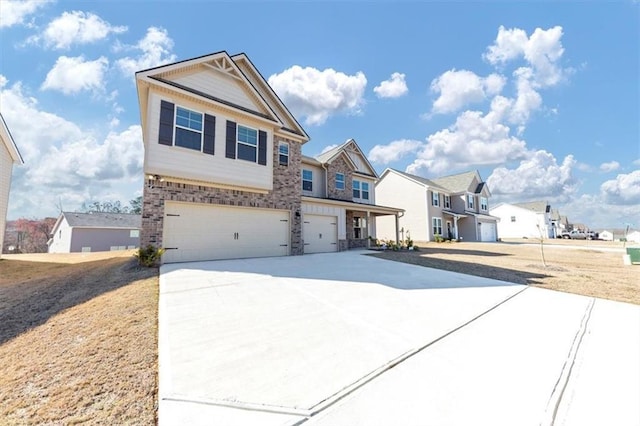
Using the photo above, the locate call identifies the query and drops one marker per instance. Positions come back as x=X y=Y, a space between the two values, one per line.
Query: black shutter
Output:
x=209 y=134
x=231 y=140
x=165 y=134
x=262 y=147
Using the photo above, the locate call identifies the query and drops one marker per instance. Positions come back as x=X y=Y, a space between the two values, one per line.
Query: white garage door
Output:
x=207 y=232
x=488 y=231
x=320 y=233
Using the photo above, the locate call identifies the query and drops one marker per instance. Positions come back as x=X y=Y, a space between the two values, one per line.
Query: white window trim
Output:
x=361 y=190
x=447 y=201
x=343 y=181
x=176 y=126
x=435 y=199
x=470 y=201
x=238 y=142
x=484 y=203
x=281 y=143
x=307 y=180
x=436 y=222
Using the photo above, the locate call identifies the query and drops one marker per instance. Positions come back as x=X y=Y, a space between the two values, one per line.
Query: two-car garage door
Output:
x=206 y=232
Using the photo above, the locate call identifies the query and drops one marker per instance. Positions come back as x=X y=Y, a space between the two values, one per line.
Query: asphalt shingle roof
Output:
x=104 y=220
x=457 y=183
x=536 y=206
x=422 y=180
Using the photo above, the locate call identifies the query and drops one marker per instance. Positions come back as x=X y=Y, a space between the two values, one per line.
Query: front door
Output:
x=449 y=230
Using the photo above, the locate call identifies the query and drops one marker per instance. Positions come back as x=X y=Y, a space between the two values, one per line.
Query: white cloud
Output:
x=609 y=166
x=539 y=176
x=475 y=139
x=76 y=28
x=636 y=162
x=385 y=154
x=596 y=213
x=328 y=148
x=624 y=189
x=73 y=75
x=63 y=161
x=460 y=88
x=527 y=99
x=317 y=94
x=542 y=51
x=14 y=12
x=395 y=87
x=154 y=48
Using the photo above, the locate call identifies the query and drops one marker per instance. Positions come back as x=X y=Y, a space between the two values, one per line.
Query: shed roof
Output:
x=103 y=220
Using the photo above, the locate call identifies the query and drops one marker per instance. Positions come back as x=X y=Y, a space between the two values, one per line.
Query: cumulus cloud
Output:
x=328 y=148
x=540 y=175
x=609 y=166
x=73 y=75
x=395 y=87
x=63 y=161
x=457 y=89
x=154 y=49
x=624 y=189
x=76 y=27
x=475 y=139
x=14 y=12
x=316 y=95
x=385 y=154
x=542 y=51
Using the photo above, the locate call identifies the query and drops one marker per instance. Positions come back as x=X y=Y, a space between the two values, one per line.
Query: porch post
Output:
x=455 y=227
x=368 y=229
x=397 y=229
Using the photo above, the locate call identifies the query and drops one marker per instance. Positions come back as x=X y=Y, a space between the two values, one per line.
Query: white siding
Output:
x=219 y=85
x=318 y=181
x=328 y=210
x=189 y=164
x=6 y=165
x=525 y=225
x=61 y=239
x=397 y=191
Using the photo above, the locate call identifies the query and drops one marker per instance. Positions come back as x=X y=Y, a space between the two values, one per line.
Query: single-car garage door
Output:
x=488 y=231
x=320 y=233
x=209 y=232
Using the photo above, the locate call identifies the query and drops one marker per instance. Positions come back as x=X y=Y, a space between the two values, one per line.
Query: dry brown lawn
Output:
x=583 y=270
x=78 y=341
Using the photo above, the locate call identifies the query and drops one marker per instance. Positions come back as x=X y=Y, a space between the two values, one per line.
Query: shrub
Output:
x=438 y=238
x=149 y=256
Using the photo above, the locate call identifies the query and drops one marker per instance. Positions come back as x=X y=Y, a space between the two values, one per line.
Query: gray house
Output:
x=87 y=232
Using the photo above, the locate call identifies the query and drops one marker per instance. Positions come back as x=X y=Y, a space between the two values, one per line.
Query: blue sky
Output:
x=543 y=99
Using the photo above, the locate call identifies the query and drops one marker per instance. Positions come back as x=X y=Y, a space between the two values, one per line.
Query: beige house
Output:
x=224 y=168
x=9 y=155
x=455 y=206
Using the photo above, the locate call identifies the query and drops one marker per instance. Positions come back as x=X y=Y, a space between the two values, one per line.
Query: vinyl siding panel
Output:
x=318 y=181
x=61 y=239
x=6 y=166
x=101 y=239
x=397 y=191
x=193 y=165
x=219 y=85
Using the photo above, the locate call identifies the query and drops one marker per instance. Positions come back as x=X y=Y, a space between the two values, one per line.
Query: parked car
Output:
x=575 y=235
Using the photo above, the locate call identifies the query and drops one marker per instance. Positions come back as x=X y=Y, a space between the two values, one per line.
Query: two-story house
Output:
x=453 y=207
x=224 y=168
x=9 y=155
x=338 y=200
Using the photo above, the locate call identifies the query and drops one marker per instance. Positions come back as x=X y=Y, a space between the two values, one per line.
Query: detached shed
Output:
x=88 y=232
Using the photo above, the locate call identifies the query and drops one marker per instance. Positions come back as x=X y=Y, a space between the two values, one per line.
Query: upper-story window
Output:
x=484 y=203
x=283 y=151
x=188 y=129
x=447 y=202
x=339 y=180
x=307 y=180
x=435 y=198
x=247 y=143
x=513 y=218
x=470 y=201
x=360 y=190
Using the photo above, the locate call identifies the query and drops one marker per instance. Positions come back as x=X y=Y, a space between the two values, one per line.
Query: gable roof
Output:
x=350 y=144
x=461 y=182
x=268 y=106
x=536 y=206
x=7 y=140
x=417 y=179
x=103 y=220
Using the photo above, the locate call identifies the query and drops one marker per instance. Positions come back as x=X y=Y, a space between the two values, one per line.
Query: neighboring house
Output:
x=88 y=232
x=634 y=237
x=223 y=165
x=9 y=155
x=455 y=206
x=605 y=235
x=525 y=220
x=338 y=200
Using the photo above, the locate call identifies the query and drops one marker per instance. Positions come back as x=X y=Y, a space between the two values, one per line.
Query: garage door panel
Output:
x=207 y=232
x=320 y=234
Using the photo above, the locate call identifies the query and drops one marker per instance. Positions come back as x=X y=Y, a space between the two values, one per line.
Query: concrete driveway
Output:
x=347 y=339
